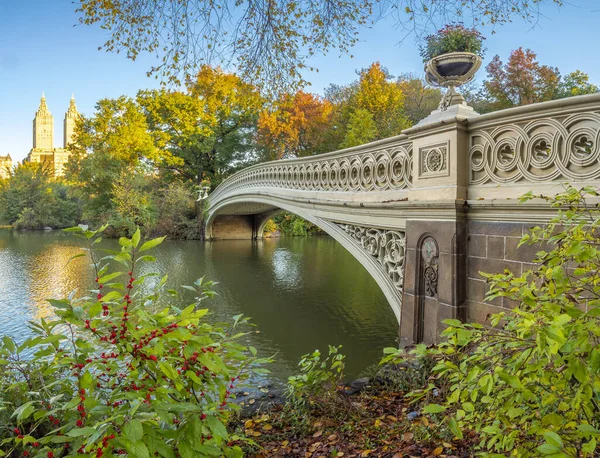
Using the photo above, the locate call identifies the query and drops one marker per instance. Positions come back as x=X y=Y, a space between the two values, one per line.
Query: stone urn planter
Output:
x=451 y=70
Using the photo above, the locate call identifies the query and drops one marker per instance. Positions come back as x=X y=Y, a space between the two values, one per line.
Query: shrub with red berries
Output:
x=123 y=372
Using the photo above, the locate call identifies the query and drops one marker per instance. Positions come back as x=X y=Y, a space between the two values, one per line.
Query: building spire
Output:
x=43 y=109
x=71 y=117
x=72 y=108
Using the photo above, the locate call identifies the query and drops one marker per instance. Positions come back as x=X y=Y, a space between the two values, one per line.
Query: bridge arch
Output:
x=381 y=252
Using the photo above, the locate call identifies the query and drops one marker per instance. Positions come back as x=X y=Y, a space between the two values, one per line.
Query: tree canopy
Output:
x=270 y=42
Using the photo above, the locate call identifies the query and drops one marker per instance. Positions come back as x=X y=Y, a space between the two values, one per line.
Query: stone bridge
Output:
x=426 y=211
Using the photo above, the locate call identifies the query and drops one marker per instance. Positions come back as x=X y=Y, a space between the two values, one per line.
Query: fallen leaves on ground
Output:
x=372 y=424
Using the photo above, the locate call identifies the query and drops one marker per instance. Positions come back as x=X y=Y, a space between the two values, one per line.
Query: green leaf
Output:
x=75 y=257
x=511 y=380
x=434 y=408
x=587 y=429
x=77 y=432
x=9 y=344
x=589 y=447
x=134 y=430
x=216 y=426
x=112 y=295
x=125 y=242
x=208 y=450
x=553 y=439
x=151 y=244
x=95 y=309
x=168 y=370
x=135 y=240
x=164 y=450
x=136 y=449
x=548 y=449
x=453 y=425
x=109 y=277
x=86 y=380
x=24 y=411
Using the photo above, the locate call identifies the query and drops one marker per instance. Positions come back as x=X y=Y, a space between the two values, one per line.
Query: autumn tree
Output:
x=523 y=80
x=377 y=93
x=270 y=42
x=297 y=126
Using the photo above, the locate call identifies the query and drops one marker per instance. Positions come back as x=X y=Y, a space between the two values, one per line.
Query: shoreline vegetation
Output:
x=137 y=376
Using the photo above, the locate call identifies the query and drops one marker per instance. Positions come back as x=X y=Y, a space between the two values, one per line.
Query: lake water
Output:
x=302 y=293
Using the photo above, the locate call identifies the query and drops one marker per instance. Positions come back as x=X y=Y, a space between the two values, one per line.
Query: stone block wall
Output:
x=233 y=227
x=493 y=247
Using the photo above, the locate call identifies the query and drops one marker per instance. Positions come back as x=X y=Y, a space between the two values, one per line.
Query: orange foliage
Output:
x=296 y=127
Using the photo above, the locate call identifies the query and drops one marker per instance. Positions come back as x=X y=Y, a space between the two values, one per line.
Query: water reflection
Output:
x=302 y=294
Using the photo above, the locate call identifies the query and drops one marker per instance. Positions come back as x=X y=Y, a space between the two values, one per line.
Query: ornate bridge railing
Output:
x=552 y=142
x=425 y=212
x=380 y=166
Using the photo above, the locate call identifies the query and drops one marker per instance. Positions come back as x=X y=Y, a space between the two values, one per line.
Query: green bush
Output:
x=318 y=377
x=123 y=371
x=531 y=384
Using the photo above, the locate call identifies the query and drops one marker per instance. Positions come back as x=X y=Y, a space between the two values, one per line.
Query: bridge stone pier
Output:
x=425 y=212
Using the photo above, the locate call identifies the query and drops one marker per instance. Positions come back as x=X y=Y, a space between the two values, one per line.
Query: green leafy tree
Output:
x=293 y=225
x=361 y=129
x=420 y=99
x=208 y=129
x=132 y=202
x=576 y=83
x=114 y=142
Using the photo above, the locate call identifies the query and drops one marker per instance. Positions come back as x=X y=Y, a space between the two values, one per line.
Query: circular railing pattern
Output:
x=387 y=169
x=547 y=149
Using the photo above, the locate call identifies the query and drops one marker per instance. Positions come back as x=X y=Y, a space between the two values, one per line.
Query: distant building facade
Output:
x=6 y=164
x=43 y=137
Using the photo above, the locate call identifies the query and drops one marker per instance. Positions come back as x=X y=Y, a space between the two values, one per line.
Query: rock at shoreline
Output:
x=358 y=385
x=261 y=400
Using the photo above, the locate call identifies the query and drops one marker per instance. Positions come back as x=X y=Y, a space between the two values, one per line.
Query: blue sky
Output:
x=41 y=49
